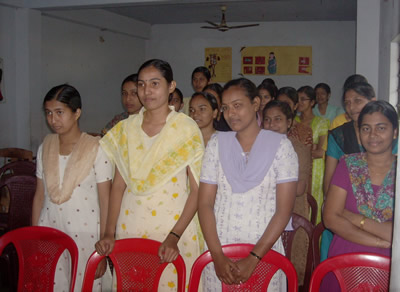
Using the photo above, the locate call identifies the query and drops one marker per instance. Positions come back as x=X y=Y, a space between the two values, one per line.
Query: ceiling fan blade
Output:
x=212 y=23
x=210 y=27
x=242 y=26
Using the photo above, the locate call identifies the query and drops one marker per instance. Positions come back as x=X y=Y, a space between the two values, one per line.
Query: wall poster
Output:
x=219 y=62
x=2 y=99
x=293 y=60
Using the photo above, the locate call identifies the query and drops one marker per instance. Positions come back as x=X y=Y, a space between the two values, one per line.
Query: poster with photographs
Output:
x=293 y=60
x=2 y=98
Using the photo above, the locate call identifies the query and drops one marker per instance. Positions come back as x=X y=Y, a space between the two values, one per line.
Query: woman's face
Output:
x=377 y=133
x=239 y=111
x=199 y=81
x=130 y=98
x=153 y=88
x=176 y=101
x=60 y=117
x=265 y=97
x=322 y=96
x=275 y=120
x=305 y=103
x=285 y=98
x=354 y=103
x=201 y=111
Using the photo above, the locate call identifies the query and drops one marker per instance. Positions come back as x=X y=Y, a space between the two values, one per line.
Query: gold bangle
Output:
x=362 y=222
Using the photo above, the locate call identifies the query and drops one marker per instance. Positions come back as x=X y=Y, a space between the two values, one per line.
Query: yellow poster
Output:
x=219 y=62
x=295 y=60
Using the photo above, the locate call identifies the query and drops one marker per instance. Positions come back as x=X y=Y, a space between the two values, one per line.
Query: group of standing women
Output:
x=167 y=187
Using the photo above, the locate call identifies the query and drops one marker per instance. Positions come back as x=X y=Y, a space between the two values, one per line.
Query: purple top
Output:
x=338 y=246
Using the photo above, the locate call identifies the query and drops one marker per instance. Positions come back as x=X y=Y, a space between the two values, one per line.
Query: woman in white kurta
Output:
x=73 y=183
x=247 y=189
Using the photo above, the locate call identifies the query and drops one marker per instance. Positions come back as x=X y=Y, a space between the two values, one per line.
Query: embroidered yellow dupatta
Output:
x=179 y=144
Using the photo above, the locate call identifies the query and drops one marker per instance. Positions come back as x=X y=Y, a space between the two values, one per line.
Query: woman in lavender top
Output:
x=247 y=189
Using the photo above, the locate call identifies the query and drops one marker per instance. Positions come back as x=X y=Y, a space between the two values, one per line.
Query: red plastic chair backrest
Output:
x=259 y=280
x=355 y=272
x=21 y=189
x=136 y=265
x=38 y=249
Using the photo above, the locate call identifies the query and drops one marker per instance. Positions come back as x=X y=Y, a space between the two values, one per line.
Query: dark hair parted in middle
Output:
x=131 y=78
x=289 y=92
x=284 y=107
x=178 y=92
x=209 y=97
x=202 y=70
x=271 y=88
x=324 y=86
x=380 y=106
x=307 y=90
x=362 y=88
x=162 y=66
x=66 y=94
x=245 y=84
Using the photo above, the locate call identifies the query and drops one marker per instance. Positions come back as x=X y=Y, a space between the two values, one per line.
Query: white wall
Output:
x=20 y=43
x=333 y=45
x=73 y=53
x=389 y=32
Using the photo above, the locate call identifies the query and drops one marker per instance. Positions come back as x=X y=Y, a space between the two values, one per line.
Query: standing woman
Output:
x=346 y=139
x=157 y=154
x=278 y=117
x=355 y=97
x=319 y=127
x=201 y=77
x=216 y=90
x=73 y=183
x=323 y=108
x=130 y=101
x=203 y=110
x=246 y=194
x=359 y=204
x=266 y=92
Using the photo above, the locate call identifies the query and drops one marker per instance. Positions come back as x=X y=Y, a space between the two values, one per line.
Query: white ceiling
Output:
x=197 y=11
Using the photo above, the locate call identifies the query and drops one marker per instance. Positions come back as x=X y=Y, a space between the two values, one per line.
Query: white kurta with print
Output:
x=79 y=217
x=243 y=217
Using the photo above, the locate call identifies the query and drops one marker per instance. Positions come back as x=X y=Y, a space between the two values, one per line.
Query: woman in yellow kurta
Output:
x=157 y=154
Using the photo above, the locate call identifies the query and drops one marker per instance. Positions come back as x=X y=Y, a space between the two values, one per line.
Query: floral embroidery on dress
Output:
x=378 y=207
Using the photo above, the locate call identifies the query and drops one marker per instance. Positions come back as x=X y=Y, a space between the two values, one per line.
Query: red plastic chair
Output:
x=259 y=280
x=38 y=249
x=136 y=266
x=355 y=272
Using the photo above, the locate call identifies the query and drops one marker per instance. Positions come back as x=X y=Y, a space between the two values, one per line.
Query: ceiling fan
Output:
x=223 y=26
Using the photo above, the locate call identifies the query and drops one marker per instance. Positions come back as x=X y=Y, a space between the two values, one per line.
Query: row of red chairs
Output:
x=137 y=266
